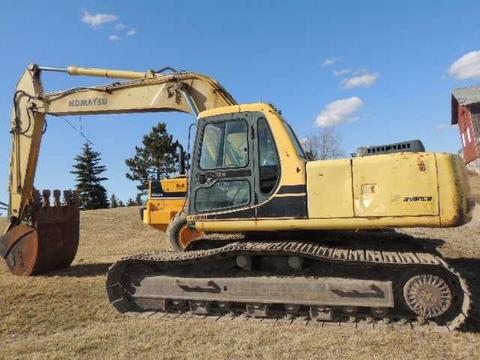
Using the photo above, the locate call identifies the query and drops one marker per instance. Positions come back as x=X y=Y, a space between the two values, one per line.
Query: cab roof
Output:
x=263 y=107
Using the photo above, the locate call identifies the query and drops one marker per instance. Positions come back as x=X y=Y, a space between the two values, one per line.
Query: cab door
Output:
x=222 y=183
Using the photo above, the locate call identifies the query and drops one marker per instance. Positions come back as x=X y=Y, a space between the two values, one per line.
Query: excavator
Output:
x=302 y=238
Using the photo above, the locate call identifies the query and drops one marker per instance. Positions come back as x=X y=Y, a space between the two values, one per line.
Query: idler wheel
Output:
x=427 y=295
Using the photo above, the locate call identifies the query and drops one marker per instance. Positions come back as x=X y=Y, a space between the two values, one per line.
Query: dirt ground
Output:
x=66 y=314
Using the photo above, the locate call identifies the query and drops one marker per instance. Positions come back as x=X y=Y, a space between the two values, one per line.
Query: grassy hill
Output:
x=67 y=315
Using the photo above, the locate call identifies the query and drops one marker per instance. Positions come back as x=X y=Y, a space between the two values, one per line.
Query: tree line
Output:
x=155 y=159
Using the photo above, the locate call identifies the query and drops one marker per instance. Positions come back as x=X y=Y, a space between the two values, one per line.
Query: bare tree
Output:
x=326 y=144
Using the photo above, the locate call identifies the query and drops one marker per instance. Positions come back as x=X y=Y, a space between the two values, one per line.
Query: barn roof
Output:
x=464 y=96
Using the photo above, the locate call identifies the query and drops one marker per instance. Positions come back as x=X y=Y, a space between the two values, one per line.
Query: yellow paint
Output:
x=111 y=73
x=175 y=185
x=329 y=189
x=399 y=184
x=455 y=203
x=394 y=190
x=316 y=224
x=25 y=143
x=159 y=212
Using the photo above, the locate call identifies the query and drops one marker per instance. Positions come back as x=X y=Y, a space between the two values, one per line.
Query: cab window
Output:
x=296 y=142
x=223 y=195
x=269 y=162
x=224 y=145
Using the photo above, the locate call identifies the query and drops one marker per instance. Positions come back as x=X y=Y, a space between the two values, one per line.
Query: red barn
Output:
x=466 y=113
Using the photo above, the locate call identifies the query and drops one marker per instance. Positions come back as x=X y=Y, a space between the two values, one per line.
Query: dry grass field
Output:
x=67 y=315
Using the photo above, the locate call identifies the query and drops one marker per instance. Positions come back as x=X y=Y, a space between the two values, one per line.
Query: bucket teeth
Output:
x=71 y=199
x=46 y=198
x=56 y=197
x=76 y=198
x=68 y=197
x=36 y=199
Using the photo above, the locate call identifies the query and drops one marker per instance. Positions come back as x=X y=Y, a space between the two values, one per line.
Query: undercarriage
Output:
x=284 y=279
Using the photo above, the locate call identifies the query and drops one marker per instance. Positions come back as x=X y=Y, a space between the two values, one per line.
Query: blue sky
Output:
x=381 y=70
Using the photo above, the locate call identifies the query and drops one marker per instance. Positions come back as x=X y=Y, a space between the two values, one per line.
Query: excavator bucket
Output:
x=50 y=242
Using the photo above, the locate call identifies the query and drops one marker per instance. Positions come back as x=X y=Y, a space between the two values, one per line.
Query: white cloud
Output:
x=120 y=26
x=361 y=71
x=342 y=72
x=97 y=20
x=114 y=38
x=329 y=61
x=467 y=67
x=131 y=32
x=364 y=81
x=339 y=112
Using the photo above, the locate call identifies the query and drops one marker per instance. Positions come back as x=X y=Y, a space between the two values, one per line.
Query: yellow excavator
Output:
x=306 y=247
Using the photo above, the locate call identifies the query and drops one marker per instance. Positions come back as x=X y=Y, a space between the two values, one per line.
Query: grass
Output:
x=67 y=315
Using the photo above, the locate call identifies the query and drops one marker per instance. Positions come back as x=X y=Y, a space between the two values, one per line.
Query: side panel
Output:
x=455 y=203
x=166 y=198
x=403 y=184
x=329 y=189
x=175 y=186
x=159 y=212
x=401 y=190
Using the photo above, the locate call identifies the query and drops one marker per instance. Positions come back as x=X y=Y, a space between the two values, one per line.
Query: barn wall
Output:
x=468 y=133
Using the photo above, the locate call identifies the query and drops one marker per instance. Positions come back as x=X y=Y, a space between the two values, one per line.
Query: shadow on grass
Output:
x=82 y=270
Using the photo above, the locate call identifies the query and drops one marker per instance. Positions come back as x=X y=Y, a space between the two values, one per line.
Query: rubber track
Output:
x=290 y=248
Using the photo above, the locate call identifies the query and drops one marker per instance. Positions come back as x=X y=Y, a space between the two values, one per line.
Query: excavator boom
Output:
x=23 y=245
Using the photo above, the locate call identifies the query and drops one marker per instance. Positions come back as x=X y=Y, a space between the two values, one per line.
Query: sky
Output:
x=379 y=71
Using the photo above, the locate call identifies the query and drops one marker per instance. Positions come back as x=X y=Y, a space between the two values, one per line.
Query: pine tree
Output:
x=139 y=200
x=88 y=177
x=114 y=203
x=131 y=202
x=156 y=159
x=120 y=203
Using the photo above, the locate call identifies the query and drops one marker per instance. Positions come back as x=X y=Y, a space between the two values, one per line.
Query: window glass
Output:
x=211 y=145
x=224 y=145
x=298 y=146
x=236 y=147
x=223 y=195
x=268 y=158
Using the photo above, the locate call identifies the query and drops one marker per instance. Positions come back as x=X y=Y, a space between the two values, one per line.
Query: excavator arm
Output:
x=37 y=232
